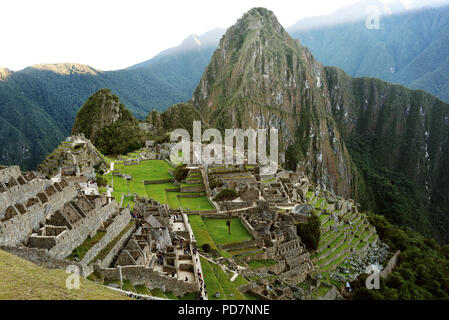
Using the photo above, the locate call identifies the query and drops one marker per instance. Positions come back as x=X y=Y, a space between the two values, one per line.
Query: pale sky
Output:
x=114 y=34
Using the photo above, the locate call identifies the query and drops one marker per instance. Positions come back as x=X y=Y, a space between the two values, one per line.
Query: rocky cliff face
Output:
x=260 y=77
x=399 y=140
x=384 y=145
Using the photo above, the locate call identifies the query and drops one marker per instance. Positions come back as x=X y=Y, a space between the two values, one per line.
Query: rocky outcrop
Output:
x=260 y=77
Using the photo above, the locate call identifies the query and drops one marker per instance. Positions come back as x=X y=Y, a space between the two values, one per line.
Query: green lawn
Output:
x=196 y=204
x=157 y=192
x=201 y=232
x=219 y=231
x=152 y=170
x=218 y=281
x=256 y=264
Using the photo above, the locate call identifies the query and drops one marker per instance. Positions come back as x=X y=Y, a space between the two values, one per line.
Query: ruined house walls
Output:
x=16 y=230
x=88 y=226
x=19 y=193
x=120 y=222
x=107 y=261
x=150 y=278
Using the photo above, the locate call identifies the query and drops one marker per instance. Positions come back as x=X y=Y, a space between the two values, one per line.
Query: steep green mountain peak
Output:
x=110 y=126
x=260 y=77
x=102 y=109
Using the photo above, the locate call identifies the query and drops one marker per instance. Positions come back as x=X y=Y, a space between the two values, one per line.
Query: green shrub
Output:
x=214 y=183
x=181 y=172
x=310 y=232
x=226 y=194
x=101 y=181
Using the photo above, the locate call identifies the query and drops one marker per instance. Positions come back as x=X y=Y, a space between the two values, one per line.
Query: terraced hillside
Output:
x=72 y=154
x=343 y=233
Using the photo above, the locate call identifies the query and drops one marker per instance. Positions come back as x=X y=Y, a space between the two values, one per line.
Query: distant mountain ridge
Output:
x=208 y=40
x=351 y=13
x=38 y=104
x=410 y=48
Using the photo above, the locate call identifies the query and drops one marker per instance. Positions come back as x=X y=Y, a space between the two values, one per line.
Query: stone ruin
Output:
x=74 y=157
x=44 y=221
x=161 y=253
x=281 y=241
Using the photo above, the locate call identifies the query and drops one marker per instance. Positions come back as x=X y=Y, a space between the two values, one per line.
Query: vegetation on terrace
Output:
x=23 y=280
x=154 y=170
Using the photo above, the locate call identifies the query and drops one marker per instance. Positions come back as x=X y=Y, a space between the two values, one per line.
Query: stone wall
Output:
x=249 y=228
x=120 y=222
x=145 y=182
x=150 y=278
x=242 y=245
x=16 y=230
x=192 y=188
x=19 y=193
x=301 y=270
x=81 y=229
x=107 y=261
x=234 y=205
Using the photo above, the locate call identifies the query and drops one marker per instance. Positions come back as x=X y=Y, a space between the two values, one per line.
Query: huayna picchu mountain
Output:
x=385 y=145
x=259 y=77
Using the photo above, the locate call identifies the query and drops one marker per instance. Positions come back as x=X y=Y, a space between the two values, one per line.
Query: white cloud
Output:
x=112 y=34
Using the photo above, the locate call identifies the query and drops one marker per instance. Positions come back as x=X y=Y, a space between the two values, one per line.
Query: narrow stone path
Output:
x=136 y=295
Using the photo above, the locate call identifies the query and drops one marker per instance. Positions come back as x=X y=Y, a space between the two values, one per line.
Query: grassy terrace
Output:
x=331 y=239
x=256 y=264
x=319 y=203
x=79 y=253
x=142 y=289
x=218 y=281
x=154 y=170
x=219 y=231
x=103 y=253
x=201 y=232
x=23 y=280
x=328 y=223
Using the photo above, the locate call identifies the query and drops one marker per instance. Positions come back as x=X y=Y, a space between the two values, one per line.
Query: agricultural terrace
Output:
x=215 y=231
x=165 y=193
x=219 y=281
